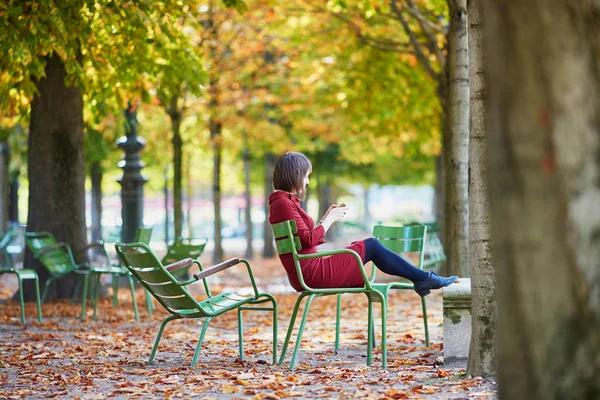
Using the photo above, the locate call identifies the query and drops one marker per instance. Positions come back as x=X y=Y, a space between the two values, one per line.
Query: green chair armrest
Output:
x=49 y=249
x=205 y=273
x=97 y=243
x=179 y=264
x=216 y=268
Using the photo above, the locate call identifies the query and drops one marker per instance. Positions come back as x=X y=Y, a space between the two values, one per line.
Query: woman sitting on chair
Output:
x=290 y=178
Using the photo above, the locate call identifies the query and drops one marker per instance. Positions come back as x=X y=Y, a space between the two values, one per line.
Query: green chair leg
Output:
x=21 y=299
x=240 y=334
x=37 y=298
x=290 y=328
x=301 y=331
x=160 y=332
x=132 y=289
x=384 y=332
x=424 y=306
x=274 y=309
x=370 y=334
x=95 y=293
x=275 y=319
x=337 y=322
x=46 y=288
x=76 y=291
x=200 y=340
x=149 y=304
x=84 y=296
x=115 y=288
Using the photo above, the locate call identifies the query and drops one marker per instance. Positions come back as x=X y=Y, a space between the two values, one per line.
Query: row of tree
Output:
x=285 y=76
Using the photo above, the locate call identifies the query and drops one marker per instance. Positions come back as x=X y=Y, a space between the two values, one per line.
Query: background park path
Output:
x=65 y=358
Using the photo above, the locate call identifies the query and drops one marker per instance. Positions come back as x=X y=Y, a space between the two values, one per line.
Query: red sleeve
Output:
x=283 y=210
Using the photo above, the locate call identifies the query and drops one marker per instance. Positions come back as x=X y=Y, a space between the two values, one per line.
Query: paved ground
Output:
x=107 y=357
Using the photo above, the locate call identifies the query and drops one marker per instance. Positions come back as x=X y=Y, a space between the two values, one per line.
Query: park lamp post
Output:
x=132 y=181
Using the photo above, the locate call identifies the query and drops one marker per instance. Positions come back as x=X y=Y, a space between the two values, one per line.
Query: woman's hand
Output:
x=331 y=208
x=337 y=213
x=334 y=213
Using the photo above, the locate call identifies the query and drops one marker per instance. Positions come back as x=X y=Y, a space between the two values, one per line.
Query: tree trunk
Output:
x=215 y=135
x=189 y=195
x=56 y=169
x=166 y=194
x=367 y=217
x=544 y=164
x=482 y=357
x=13 y=201
x=269 y=249
x=175 y=114
x=4 y=186
x=458 y=123
x=248 y=210
x=96 y=178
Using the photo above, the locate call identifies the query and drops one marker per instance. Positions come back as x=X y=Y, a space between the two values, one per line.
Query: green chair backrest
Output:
x=179 y=250
x=285 y=241
x=57 y=261
x=4 y=242
x=402 y=239
x=143 y=264
x=143 y=234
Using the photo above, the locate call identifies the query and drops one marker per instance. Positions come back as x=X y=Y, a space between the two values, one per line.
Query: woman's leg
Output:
x=390 y=262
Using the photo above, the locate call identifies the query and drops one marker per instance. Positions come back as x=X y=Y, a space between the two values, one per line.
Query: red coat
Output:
x=340 y=270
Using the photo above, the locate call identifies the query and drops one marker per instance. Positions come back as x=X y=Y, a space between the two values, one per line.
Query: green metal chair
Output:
x=142 y=234
x=22 y=274
x=174 y=296
x=434 y=251
x=58 y=260
x=184 y=248
x=402 y=239
x=287 y=243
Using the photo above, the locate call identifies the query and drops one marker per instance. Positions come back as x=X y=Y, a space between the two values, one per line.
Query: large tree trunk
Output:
x=215 y=135
x=96 y=195
x=56 y=170
x=174 y=113
x=13 y=201
x=482 y=357
x=269 y=249
x=248 y=210
x=4 y=186
x=458 y=122
x=544 y=165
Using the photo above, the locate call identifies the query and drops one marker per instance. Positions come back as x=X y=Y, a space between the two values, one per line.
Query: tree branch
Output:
x=415 y=43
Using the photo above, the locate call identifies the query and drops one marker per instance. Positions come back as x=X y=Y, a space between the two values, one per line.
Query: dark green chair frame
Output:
x=22 y=274
x=174 y=296
x=184 y=248
x=58 y=260
x=142 y=234
x=434 y=251
x=287 y=243
x=402 y=239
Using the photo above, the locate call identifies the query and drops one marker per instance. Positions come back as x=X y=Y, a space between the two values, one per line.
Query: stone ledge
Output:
x=457 y=322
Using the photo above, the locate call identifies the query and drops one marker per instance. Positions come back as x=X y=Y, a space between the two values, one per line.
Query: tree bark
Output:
x=216 y=138
x=4 y=186
x=56 y=169
x=174 y=113
x=13 y=201
x=544 y=165
x=458 y=123
x=248 y=211
x=96 y=179
x=482 y=357
x=269 y=249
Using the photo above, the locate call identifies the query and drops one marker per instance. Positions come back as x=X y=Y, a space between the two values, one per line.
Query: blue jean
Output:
x=390 y=262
